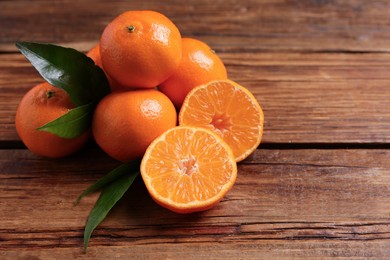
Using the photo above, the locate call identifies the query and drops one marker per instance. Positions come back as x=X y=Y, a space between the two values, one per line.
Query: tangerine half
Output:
x=188 y=169
x=229 y=110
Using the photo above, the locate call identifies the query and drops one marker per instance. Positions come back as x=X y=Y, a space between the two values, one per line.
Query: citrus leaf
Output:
x=118 y=172
x=72 y=124
x=108 y=198
x=68 y=69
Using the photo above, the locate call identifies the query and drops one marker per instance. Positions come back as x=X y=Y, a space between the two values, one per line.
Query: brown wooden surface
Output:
x=283 y=200
x=307 y=98
x=318 y=186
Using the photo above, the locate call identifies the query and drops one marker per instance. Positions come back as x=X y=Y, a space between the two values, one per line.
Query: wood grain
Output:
x=320 y=70
x=284 y=203
x=229 y=25
x=285 y=249
x=306 y=98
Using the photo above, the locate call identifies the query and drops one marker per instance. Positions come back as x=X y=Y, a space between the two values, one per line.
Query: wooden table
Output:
x=319 y=184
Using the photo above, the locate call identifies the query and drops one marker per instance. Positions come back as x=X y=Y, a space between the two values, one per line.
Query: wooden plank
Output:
x=231 y=25
x=307 y=98
x=285 y=203
x=270 y=249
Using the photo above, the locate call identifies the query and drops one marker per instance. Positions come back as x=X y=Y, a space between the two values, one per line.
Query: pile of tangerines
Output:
x=153 y=73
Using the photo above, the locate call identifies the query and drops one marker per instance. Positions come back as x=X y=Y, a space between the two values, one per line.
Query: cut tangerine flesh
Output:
x=229 y=110
x=188 y=169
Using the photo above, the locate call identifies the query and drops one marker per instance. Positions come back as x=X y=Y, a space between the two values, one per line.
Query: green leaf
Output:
x=68 y=69
x=72 y=124
x=118 y=172
x=108 y=198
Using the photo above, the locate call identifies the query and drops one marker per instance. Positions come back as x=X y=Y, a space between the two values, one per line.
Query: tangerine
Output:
x=40 y=105
x=140 y=49
x=188 y=169
x=199 y=65
x=94 y=54
x=229 y=110
x=125 y=123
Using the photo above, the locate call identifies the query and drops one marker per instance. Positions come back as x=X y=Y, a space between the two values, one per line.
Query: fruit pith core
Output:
x=221 y=122
x=188 y=165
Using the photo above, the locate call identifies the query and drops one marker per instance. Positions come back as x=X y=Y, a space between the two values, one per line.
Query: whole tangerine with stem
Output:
x=40 y=105
x=140 y=49
x=199 y=65
x=125 y=123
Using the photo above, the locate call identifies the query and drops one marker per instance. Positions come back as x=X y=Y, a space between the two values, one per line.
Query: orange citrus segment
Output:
x=188 y=169
x=229 y=110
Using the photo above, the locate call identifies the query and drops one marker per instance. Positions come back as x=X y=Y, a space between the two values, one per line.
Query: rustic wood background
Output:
x=319 y=184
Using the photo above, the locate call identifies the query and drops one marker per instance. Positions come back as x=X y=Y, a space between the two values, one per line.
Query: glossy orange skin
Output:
x=94 y=54
x=36 y=109
x=199 y=65
x=125 y=123
x=140 y=49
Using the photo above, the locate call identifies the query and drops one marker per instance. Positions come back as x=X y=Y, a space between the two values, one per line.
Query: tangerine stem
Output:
x=131 y=28
x=50 y=94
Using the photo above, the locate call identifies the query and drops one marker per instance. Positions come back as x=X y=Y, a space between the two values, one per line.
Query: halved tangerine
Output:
x=229 y=110
x=188 y=169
